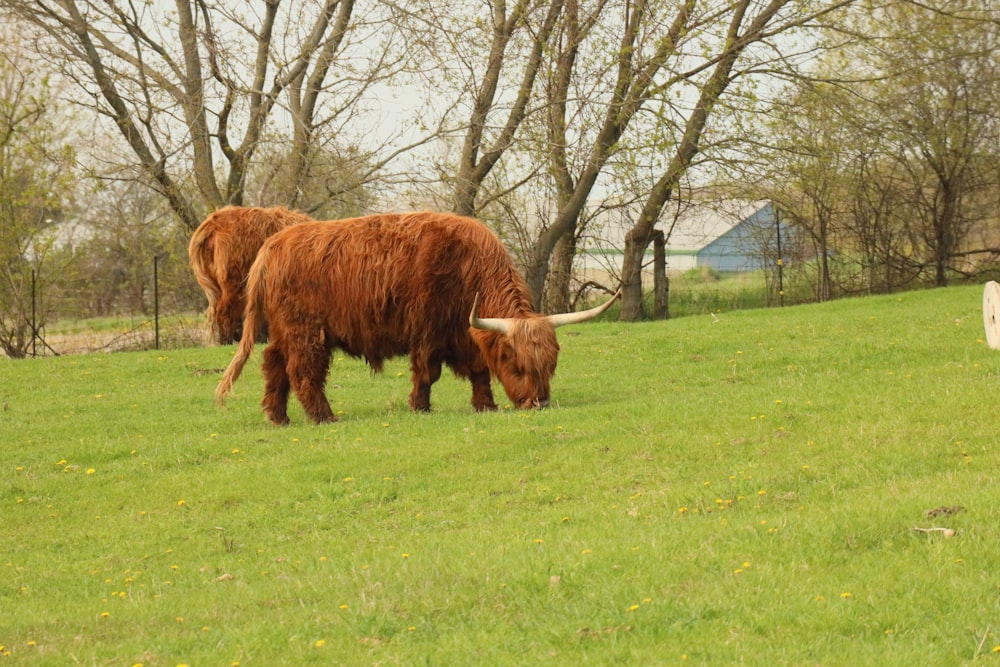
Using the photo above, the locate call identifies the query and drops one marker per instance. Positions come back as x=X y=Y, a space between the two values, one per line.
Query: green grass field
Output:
x=742 y=488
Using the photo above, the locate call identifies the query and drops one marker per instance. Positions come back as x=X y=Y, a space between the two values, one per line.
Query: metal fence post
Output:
x=156 y=298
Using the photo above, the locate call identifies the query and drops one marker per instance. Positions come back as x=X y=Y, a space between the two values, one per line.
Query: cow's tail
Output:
x=200 y=254
x=253 y=323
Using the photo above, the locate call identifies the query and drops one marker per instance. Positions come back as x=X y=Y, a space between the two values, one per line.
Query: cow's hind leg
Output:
x=307 y=368
x=276 y=386
x=425 y=373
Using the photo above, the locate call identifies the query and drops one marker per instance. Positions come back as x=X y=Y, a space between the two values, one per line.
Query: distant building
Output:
x=727 y=236
x=745 y=245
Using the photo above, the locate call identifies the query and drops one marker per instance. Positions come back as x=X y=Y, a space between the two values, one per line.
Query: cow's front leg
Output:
x=425 y=373
x=482 y=392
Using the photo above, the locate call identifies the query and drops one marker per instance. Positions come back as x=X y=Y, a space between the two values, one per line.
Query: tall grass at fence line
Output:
x=762 y=487
x=702 y=290
x=122 y=333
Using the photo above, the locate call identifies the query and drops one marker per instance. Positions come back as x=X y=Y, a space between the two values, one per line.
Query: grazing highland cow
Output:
x=221 y=252
x=387 y=285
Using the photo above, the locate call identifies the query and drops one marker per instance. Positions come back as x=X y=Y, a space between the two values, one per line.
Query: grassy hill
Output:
x=754 y=487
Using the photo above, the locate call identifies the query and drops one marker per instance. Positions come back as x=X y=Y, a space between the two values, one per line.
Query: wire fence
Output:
x=65 y=315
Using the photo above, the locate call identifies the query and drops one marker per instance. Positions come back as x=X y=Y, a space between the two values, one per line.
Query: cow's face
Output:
x=524 y=360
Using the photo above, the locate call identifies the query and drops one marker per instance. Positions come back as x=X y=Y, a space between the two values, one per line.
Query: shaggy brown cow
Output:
x=386 y=285
x=221 y=252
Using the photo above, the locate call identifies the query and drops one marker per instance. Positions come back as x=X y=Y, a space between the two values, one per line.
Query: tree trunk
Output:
x=632 y=305
x=557 y=286
x=661 y=283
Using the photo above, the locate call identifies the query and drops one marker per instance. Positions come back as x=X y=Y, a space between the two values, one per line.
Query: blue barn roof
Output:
x=741 y=247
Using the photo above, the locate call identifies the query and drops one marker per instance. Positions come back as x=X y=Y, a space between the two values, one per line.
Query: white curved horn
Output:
x=497 y=324
x=582 y=316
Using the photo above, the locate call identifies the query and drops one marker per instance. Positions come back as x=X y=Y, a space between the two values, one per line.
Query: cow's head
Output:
x=523 y=357
x=228 y=320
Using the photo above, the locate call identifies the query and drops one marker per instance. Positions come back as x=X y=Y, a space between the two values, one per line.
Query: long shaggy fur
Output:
x=221 y=252
x=386 y=285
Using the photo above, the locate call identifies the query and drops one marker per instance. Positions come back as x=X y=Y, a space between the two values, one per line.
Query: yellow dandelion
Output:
x=320 y=643
x=845 y=595
x=633 y=607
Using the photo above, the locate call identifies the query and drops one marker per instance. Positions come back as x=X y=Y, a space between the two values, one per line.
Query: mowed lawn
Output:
x=759 y=487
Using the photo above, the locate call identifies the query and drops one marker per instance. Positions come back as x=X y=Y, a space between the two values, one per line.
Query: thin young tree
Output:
x=195 y=88
x=36 y=183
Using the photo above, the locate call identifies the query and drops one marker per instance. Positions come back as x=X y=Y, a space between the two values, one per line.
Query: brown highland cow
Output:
x=221 y=252
x=387 y=285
